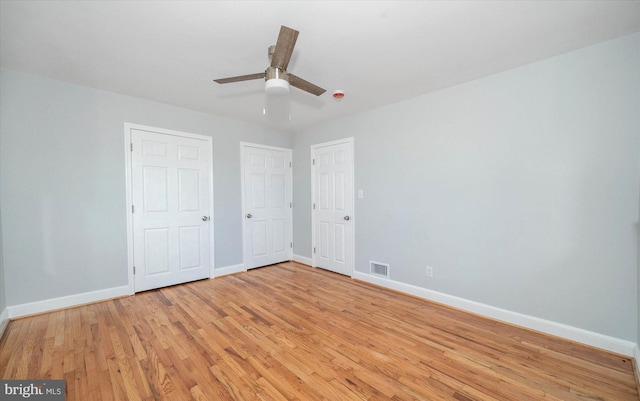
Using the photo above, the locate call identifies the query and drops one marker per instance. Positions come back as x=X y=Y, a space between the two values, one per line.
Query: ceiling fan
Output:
x=277 y=79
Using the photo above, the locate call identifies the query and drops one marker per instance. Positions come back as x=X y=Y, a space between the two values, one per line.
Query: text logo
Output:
x=41 y=390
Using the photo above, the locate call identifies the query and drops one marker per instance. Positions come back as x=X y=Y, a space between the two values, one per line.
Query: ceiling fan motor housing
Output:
x=276 y=81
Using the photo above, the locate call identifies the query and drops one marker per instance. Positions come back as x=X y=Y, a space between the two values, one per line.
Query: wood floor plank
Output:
x=289 y=332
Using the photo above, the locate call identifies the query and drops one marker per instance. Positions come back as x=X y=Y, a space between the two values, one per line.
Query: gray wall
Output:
x=3 y=283
x=520 y=189
x=62 y=192
x=3 y=297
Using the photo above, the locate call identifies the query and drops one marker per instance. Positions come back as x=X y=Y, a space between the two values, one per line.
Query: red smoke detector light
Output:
x=338 y=94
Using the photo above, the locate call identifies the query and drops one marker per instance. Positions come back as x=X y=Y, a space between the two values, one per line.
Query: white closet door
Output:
x=332 y=174
x=171 y=217
x=266 y=205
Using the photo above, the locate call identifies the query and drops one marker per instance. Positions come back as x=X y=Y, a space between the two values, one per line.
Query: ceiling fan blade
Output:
x=284 y=47
x=240 y=78
x=305 y=85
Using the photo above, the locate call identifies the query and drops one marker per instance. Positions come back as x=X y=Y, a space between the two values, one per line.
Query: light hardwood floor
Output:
x=291 y=332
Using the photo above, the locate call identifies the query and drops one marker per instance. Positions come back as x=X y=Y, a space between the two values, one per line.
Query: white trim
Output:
x=243 y=146
x=260 y=146
x=233 y=269
x=129 y=204
x=212 y=219
x=68 y=301
x=302 y=259
x=636 y=356
x=591 y=338
x=129 y=194
x=4 y=320
x=312 y=149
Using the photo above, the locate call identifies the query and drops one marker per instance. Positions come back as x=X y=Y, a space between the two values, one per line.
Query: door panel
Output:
x=190 y=251
x=278 y=192
x=189 y=190
x=154 y=189
x=156 y=255
x=339 y=239
x=188 y=153
x=324 y=240
x=332 y=175
x=258 y=191
x=279 y=237
x=170 y=192
x=259 y=245
x=266 y=205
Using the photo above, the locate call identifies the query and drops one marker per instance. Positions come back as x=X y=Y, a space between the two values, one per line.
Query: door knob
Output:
x=347 y=218
x=205 y=218
x=249 y=215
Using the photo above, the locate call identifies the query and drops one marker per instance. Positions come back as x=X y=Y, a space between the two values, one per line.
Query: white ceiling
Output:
x=378 y=52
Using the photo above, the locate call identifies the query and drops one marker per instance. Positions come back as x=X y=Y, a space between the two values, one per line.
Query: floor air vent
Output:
x=379 y=269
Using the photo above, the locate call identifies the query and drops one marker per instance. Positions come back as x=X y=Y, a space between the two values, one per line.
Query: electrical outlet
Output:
x=429 y=271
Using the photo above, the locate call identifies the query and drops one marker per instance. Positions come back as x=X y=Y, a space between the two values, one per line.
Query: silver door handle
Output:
x=205 y=218
x=347 y=218
x=249 y=215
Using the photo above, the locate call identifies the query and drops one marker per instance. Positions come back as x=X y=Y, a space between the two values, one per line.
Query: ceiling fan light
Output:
x=276 y=86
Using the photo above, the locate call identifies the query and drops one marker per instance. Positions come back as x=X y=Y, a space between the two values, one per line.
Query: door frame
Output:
x=128 y=156
x=314 y=227
x=244 y=145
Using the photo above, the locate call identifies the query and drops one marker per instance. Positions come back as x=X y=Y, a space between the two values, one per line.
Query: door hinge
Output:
x=132 y=146
x=134 y=270
x=290 y=205
x=314 y=249
x=133 y=209
x=314 y=206
x=291 y=244
x=289 y=164
x=314 y=161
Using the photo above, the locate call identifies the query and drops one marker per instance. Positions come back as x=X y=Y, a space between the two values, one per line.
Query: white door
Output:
x=332 y=175
x=267 y=207
x=171 y=208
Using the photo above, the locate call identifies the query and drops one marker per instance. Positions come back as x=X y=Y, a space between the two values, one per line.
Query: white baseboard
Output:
x=4 y=320
x=302 y=259
x=223 y=271
x=49 y=305
x=602 y=341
